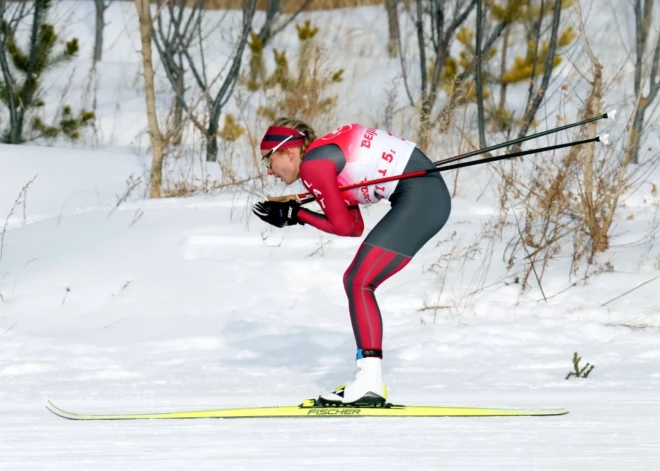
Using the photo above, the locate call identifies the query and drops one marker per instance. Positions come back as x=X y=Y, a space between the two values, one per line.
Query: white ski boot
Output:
x=367 y=389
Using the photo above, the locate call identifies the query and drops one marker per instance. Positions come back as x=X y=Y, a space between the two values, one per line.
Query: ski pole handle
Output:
x=285 y=198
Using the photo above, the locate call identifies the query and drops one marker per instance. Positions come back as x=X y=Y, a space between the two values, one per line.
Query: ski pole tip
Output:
x=610 y=115
x=605 y=139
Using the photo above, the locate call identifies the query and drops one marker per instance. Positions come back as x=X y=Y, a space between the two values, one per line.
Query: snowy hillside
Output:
x=114 y=302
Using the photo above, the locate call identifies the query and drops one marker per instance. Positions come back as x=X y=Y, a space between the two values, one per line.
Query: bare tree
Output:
x=173 y=43
x=643 y=16
x=441 y=34
x=435 y=30
x=158 y=142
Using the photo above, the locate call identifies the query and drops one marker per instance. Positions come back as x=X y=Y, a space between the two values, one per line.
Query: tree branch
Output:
x=537 y=39
x=540 y=93
x=487 y=45
x=459 y=19
x=292 y=17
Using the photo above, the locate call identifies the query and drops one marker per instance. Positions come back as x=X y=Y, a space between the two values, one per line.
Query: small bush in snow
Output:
x=579 y=372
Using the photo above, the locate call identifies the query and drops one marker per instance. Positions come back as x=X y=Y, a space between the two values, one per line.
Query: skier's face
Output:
x=283 y=164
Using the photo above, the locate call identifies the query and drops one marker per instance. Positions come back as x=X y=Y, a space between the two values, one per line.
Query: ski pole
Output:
x=609 y=115
x=304 y=198
x=604 y=139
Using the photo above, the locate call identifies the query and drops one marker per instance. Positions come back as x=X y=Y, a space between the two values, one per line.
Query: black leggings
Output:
x=420 y=208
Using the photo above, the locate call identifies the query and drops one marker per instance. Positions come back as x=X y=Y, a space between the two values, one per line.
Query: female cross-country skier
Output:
x=420 y=207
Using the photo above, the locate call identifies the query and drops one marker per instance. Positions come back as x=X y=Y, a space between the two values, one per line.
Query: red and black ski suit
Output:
x=419 y=209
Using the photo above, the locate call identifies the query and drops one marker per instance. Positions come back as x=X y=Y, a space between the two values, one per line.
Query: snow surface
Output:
x=115 y=303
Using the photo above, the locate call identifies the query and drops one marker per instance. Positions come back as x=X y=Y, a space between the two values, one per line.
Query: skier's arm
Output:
x=320 y=178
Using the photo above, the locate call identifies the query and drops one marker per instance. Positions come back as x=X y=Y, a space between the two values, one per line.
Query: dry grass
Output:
x=568 y=199
x=21 y=201
x=180 y=189
x=565 y=199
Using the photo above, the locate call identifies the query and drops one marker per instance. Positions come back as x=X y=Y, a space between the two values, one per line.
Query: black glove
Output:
x=278 y=214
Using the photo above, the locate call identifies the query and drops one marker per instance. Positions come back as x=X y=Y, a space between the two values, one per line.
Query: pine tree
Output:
x=21 y=89
x=303 y=94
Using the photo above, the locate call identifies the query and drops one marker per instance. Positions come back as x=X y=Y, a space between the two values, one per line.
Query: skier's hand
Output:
x=278 y=214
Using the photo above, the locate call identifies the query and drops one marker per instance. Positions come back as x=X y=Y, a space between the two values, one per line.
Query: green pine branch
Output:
x=580 y=372
x=29 y=63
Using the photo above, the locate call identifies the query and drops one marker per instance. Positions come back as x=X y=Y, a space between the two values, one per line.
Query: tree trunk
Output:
x=212 y=138
x=478 y=82
x=227 y=87
x=157 y=139
x=441 y=33
x=642 y=25
x=393 y=27
x=98 y=36
x=498 y=123
x=425 y=109
x=636 y=133
x=178 y=107
x=266 y=32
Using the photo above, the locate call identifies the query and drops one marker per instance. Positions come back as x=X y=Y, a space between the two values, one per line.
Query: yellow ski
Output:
x=308 y=408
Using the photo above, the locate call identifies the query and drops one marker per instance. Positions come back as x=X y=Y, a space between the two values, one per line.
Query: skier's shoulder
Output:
x=333 y=146
x=343 y=133
x=327 y=152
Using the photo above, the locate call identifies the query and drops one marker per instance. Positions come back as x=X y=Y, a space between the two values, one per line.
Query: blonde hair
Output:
x=300 y=126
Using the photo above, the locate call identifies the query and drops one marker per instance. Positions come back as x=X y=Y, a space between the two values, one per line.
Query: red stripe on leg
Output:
x=367 y=267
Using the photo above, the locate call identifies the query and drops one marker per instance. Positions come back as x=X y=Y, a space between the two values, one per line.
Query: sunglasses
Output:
x=267 y=158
